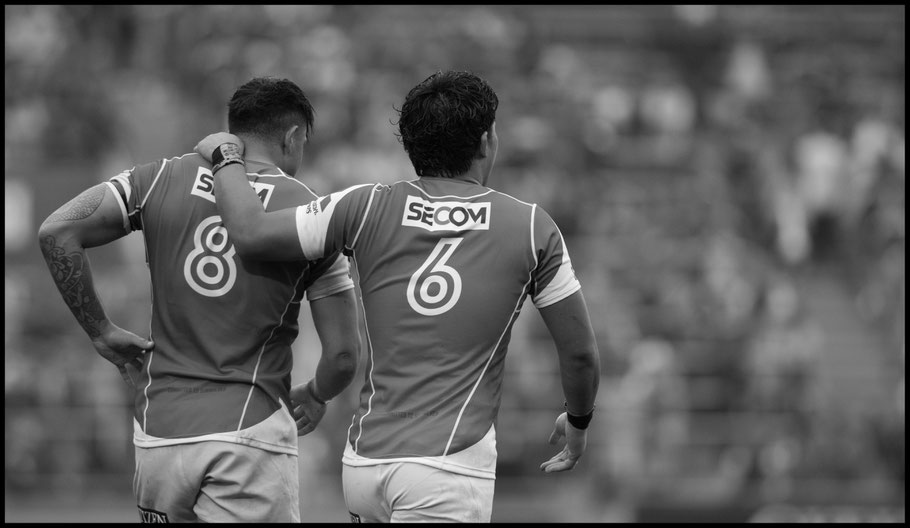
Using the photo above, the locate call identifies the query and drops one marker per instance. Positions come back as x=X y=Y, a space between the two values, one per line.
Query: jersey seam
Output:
x=428 y=195
x=262 y=349
x=483 y=372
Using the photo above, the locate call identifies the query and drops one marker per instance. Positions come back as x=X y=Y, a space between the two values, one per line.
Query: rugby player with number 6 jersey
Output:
x=445 y=264
x=214 y=415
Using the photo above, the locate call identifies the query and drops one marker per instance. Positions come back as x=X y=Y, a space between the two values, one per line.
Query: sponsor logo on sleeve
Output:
x=446 y=215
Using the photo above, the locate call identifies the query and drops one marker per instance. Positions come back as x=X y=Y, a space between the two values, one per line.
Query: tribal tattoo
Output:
x=73 y=279
x=79 y=207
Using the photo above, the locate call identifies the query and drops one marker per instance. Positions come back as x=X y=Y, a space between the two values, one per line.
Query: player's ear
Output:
x=488 y=142
x=289 y=139
x=484 y=145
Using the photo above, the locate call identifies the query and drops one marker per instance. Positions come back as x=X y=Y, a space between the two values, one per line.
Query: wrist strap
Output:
x=225 y=154
x=579 y=422
x=311 y=388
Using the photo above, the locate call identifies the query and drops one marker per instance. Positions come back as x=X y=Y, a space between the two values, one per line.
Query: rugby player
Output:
x=214 y=413
x=445 y=264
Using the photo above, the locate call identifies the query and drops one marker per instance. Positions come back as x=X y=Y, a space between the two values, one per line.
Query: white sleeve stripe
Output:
x=321 y=294
x=311 y=231
x=123 y=213
x=555 y=296
x=563 y=284
x=127 y=188
x=335 y=279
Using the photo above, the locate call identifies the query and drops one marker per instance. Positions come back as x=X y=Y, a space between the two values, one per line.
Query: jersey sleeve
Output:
x=330 y=275
x=333 y=223
x=553 y=279
x=130 y=188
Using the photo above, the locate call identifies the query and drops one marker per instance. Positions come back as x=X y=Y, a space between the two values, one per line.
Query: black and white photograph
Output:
x=545 y=263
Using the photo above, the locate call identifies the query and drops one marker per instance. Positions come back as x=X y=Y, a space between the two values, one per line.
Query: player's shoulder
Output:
x=189 y=163
x=360 y=191
x=184 y=165
x=508 y=198
x=528 y=211
x=281 y=180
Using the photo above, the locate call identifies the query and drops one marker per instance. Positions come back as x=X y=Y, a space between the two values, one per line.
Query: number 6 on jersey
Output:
x=434 y=275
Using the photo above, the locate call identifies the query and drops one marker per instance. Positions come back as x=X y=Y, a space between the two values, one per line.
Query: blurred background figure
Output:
x=732 y=176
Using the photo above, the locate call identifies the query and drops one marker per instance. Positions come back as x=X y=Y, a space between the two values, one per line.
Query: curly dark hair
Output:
x=267 y=106
x=442 y=119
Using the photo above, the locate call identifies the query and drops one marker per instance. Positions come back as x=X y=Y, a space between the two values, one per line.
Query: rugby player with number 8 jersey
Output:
x=445 y=264
x=214 y=415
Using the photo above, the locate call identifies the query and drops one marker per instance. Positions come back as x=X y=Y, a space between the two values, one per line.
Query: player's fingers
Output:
x=546 y=466
x=562 y=465
x=301 y=431
x=125 y=375
x=555 y=458
x=561 y=462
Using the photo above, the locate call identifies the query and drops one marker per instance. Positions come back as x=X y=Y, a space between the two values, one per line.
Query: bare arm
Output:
x=256 y=234
x=92 y=218
x=335 y=318
x=579 y=369
x=579 y=361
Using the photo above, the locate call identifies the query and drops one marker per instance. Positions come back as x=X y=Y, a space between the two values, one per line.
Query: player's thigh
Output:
x=246 y=484
x=363 y=493
x=165 y=486
x=420 y=493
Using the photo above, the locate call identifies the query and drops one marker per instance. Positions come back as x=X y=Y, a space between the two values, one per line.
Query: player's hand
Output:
x=212 y=141
x=307 y=411
x=122 y=348
x=576 y=440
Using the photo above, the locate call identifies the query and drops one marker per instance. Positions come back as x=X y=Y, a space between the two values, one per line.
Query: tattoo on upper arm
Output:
x=69 y=272
x=79 y=207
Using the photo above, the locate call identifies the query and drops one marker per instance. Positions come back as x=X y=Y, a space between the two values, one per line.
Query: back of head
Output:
x=266 y=107
x=442 y=121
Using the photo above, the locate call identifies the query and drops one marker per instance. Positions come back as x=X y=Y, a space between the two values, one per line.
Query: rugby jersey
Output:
x=222 y=325
x=444 y=266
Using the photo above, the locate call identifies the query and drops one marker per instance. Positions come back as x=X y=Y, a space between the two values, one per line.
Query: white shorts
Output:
x=216 y=481
x=413 y=492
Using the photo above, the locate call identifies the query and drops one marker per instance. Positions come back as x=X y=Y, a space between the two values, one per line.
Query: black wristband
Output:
x=225 y=154
x=579 y=422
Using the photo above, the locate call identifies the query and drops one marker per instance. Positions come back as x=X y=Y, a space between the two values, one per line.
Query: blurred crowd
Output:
x=730 y=181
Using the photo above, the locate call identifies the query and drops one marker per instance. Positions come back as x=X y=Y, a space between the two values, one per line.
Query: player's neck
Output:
x=256 y=151
x=473 y=175
x=259 y=156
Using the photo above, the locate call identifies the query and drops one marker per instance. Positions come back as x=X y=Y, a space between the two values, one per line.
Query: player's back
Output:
x=445 y=266
x=223 y=326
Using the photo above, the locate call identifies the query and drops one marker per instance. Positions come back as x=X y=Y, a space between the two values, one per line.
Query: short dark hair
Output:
x=267 y=106
x=442 y=120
